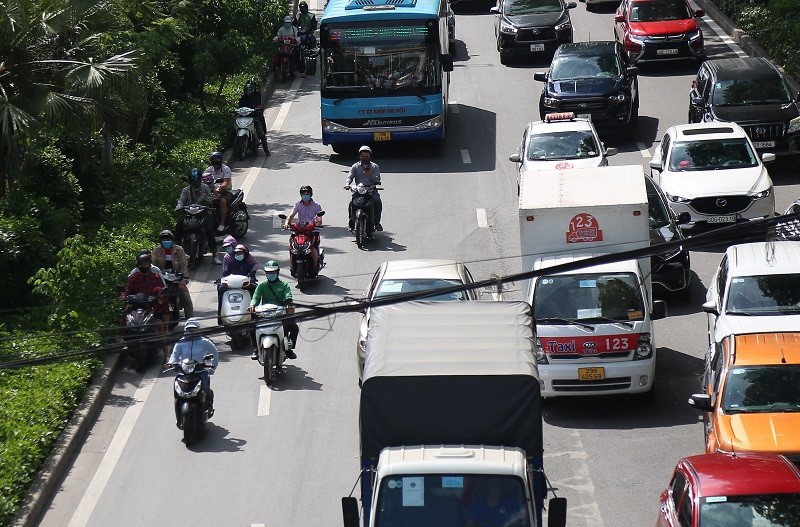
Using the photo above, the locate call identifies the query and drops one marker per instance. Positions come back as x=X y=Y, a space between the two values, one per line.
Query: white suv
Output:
x=712 y=171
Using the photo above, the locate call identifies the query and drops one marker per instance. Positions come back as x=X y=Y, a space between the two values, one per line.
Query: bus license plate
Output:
x=537 y=47
x=668 y=51
x=722 y=219
x=764 y=144
x=591 y=374
x=382 y=136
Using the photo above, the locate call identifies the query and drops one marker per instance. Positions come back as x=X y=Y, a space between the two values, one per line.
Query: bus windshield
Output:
x=380 y=58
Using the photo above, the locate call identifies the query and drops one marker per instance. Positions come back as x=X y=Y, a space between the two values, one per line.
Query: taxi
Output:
x=561 y=141
x=751 y=395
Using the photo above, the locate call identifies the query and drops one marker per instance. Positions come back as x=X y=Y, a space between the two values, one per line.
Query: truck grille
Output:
x=721 y=204
x=574 y=385
x=583 y=106
x=766 y=131
x=536 y=34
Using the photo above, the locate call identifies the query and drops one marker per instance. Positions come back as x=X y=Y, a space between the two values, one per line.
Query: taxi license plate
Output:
x=591 y=374
x=722 y=219
x=537 y=47
x=584 y=116
x=667 y=51
x=382 y=136
x=764 y=144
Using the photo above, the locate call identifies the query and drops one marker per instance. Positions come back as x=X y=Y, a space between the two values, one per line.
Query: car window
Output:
x=373 y=284
x=665 y=147
x=712 y=155
x=522 y=144
x=657 y=210
x=529 y=7
x=749 y=92
x=702 y=83
x=722 y=280
x=653 y=10
x=716 y=366
x=685 y=514
x=570 y=67
x=678 y=485
x=572 y=144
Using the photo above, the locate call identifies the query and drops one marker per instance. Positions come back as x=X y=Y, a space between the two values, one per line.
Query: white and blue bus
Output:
x=385 y=71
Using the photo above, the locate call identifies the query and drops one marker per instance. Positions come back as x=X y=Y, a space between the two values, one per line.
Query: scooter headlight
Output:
x=235 y=298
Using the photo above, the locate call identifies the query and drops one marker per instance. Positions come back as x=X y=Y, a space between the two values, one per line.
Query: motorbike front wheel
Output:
x=284 y=70
x=301 y=272
x=140 y=355
x=269 y=362
x=361 y=230
x=187 y=423
x=241 y=146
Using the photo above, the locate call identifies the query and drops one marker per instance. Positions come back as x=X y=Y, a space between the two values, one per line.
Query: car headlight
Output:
x=694 y=35
x=550 y=102
x=507 y=28
x=794 y=125
x=677 y=199
x=644 y=348
x=331 y=127
x=619 y=97
x=564 y=25
x=763 y=194
x=541 y=356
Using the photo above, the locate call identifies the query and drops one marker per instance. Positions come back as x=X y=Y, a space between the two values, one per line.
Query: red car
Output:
x=732 y=490
x=659 y=30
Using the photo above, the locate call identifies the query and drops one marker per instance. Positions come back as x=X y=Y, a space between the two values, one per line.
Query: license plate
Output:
x=764 y=144
x=668 y=51
x=537 y=47
x=591 y=374
x=584 y=116
x=382 y=136
x=721 y=219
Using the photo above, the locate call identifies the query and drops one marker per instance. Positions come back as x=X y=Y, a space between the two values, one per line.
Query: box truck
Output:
x=594 y=331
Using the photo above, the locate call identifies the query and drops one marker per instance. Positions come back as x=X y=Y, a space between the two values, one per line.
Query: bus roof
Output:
x=350 y=10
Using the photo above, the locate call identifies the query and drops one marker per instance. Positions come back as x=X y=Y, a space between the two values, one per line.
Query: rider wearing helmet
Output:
x=306 y=211
x=194 y=347
x=149 y=283
x=215 y=172
x=251 y=98
x=198 y=193
x=367 y=173
x=275 y=291
x=306 y=24
x=287 y=30
x=170 y=256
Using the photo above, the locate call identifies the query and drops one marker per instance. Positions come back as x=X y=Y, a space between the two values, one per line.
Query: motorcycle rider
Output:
x=154 y=269
x=367 y=173
x=149 y=283
x=198 y=193
x=306 y=211
x=287 y=30
x=195 y=348
x=251 y=98
x=306 y=24
x=240 y=262
x=170 y=256
x=221 y=191
x=275 y=291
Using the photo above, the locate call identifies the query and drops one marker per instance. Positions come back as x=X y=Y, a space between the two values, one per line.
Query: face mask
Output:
x=217 y=164
x=272 y=277
x=166 y=244
x=229 y=250
x=239 y=257
x=305 y=197
x=144 y=270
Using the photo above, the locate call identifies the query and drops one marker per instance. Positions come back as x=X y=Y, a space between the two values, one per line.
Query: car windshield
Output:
x=741 y=92
x=412 y=285
x=529 y=7
x=762 y=389
x=716 y=154
x=760 y=510
x=562 y=145
x=653 y=10
x=771 y=294
x=588 y=296
x=572 y=67
x=451 y=499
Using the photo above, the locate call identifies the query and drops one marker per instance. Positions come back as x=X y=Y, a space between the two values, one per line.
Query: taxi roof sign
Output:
x=559 y=116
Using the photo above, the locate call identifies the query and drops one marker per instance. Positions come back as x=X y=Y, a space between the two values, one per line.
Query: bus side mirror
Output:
x=447 y=62
x=350 y=511
x=557 y=512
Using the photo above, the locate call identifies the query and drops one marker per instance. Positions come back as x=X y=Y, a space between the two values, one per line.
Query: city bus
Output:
x=385 y=71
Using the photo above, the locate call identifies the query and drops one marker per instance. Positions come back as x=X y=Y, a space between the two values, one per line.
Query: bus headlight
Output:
x=331 y=127
x=430 y=124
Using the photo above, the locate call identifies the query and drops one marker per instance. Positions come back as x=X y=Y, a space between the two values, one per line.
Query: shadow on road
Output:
x=294 y=378
x=215 y=439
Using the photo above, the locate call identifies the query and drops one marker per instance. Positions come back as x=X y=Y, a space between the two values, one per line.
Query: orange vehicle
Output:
x=752 y=395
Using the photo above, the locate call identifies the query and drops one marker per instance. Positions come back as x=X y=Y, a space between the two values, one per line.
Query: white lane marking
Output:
x=483 y=222
x=454 y=107
x=584 y=506
x=258 y=525
x=285 y=105
x=264 y=396
x=643 y=150
x=277 y=223
x=112 y=455
x=465 y=157
x=252 y=174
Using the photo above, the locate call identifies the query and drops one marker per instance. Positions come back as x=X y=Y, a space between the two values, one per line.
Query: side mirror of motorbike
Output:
x=282 y=216
x=321 y=213
x=219 y=180
x=447 y=62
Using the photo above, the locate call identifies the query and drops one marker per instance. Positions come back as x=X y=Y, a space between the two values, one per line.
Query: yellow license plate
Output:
x=591 y=374
x=382 y=136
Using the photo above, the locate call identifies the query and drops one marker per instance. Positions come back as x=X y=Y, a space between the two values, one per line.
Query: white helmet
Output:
x=365 y=148
x=287 y=19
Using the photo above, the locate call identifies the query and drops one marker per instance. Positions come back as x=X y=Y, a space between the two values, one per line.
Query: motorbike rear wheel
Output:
x=239 y=339
x=241 y=147
x=269 y=363
x=284 y=70
x=187 y=423
x=361 y=231
x=140 y=356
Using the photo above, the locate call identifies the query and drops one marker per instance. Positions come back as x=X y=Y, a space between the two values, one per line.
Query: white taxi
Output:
x=559 y=142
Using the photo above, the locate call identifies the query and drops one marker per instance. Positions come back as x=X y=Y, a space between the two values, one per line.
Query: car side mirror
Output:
x=557 y=512
x=632 y=70
x=659 y=310
x=447 y=62
x=619 y=17
x=699 y=13
x=696 y=100
x=711 y=307
x=611 y=151
x=350 y=516
x=684 y=218
x=571 y=5
x=767 y=157
x=540 y=76
x=699 y=401
x=514 y=158
x=655 y=164
x=495 y=10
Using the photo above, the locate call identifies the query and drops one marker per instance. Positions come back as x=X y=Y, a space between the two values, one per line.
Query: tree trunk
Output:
x=221 y=87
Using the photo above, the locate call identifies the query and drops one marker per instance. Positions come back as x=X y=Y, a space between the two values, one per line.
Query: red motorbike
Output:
x=284 y=59
x=303 y=238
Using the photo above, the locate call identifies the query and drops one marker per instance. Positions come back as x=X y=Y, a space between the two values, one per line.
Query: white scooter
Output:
x=246 y=134
x=233 y=310
x=271 y=342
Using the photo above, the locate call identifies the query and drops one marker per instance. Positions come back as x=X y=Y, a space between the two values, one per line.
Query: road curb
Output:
x=49 y=477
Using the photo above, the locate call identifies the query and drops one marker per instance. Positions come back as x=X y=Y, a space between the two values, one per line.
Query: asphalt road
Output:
x=286 y=456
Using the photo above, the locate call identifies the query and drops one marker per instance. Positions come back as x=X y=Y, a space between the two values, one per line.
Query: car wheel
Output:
x=635 y=112
x=504 y=58
x=589 y=7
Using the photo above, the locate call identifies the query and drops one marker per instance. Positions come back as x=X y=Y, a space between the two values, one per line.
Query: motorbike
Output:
x=172 y=281
x=308 y=51
x=271 y=342
x=233 y=310
x=246 y=132
x=284 y=57
x=300 y=243
x=193 y=407
x=140 y=328
x=361 y=203
x=238 y=220
x=194 y=233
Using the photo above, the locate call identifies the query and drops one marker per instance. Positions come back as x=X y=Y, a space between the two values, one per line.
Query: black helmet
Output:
x=303 y=5
x=215 y=155
x=307 y=188
x=141 y=252
x=143 y=259
x=195 y=177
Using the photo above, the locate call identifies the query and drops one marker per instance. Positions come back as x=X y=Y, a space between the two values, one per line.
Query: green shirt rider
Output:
x=275 y=291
